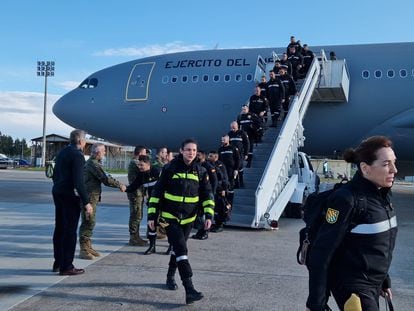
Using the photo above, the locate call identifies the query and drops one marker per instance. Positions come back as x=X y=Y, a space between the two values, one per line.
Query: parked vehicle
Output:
x=21 y=163
x=5 y=162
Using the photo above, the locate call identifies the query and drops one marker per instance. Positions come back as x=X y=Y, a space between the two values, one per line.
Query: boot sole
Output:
x=190 y=301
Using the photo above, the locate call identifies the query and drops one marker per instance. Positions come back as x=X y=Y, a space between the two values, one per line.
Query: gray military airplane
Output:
x=162 y=99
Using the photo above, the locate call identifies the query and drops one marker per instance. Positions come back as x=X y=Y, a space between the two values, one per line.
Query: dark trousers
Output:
x=286 y=105
x=368 y=297
x=67 y=213
x=275 y=108
x=221 y=213
x=177 y=236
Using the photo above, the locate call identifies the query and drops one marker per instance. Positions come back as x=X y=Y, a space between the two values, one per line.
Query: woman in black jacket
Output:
x=352 y=251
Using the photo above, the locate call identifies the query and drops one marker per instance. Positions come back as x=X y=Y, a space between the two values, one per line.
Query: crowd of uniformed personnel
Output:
x=193 y=185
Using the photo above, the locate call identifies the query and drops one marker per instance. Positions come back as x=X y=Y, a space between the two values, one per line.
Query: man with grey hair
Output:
x=94 y=176
x=69 y=196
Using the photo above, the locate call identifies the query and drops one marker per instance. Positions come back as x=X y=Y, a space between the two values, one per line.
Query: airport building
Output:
x=117 y=156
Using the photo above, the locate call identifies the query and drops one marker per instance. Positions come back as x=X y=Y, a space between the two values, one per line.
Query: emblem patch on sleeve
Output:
x=331 y=216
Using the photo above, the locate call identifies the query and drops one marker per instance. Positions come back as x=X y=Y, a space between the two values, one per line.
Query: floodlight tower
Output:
x=45 y=69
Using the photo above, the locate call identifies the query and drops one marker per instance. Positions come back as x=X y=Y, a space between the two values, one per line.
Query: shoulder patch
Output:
x=331 y=216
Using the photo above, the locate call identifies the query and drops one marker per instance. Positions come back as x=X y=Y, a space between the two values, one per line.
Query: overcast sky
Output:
x=85 y=36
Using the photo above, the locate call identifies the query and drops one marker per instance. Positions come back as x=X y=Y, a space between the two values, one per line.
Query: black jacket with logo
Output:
x=353 y=248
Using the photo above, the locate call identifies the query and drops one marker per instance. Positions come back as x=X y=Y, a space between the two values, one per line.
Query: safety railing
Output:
x=276 y=173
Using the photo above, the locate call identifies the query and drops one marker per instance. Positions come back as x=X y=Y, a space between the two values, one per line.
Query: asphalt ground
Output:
x=238 y=269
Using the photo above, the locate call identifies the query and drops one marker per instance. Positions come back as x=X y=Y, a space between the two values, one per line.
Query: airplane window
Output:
x=390 y=73
x=174 y=79
x=378 y=74
x=165 y=79
x=365 y=74
x=216 y=78
x=195 y=79
x=184 y=79
x=238 y=77
x=403 y=73
x=205 y=78
x=84 y=84
x=249 y=77
x=93 y=83
x=227 y=78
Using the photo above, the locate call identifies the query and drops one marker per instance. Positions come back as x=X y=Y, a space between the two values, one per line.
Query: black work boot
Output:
x=171 y=284
x=191 y=294
x=151 y=248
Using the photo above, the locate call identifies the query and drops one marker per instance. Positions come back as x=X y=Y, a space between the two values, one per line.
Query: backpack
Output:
x=314 y=213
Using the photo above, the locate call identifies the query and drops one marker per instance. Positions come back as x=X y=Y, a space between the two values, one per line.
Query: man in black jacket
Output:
x=202 y=233
x=290 y=89
x=239 y=139
x=276 y=96
x=230 y=157
x=69 y=196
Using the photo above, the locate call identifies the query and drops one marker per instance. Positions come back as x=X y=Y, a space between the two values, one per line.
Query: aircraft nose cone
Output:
x=67 y=109
x=59 y=108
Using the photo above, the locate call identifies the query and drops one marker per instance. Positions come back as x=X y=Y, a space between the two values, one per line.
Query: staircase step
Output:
x=244 y=209
x=240 y=220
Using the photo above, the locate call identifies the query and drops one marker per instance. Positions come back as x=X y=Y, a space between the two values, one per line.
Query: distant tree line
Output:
x=13 y=148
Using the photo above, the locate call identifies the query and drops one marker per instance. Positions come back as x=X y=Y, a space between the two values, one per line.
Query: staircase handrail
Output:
x=276 y=173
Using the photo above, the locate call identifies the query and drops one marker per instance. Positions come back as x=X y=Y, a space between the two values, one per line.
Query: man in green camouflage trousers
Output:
x=94 y=176
x=136 y=200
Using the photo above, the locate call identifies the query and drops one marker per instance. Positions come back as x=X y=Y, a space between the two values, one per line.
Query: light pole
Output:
x=45 y=69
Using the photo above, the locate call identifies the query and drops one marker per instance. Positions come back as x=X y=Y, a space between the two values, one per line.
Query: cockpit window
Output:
x=84 y=84
x=89 y=83
x=93 y=83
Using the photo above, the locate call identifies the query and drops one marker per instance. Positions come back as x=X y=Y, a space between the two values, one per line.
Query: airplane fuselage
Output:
x=161 y=100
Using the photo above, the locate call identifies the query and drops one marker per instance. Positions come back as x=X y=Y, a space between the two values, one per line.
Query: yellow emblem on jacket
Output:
x=331 y=215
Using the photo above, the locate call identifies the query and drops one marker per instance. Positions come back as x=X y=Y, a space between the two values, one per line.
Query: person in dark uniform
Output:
x=222 y=208
x=290 y=89
x=183 y=188
x=257 y=103
x=352 y=251
x=308 y=57
x=230 y=157
x=296 y=59
x=69 y=196
x=294 y=43
x=276 y=96
x=239 y=139
x=202 y=233
x=283 y=62
x=263 y=92
x=252 y=125
x=94 y=177
x=145 y=179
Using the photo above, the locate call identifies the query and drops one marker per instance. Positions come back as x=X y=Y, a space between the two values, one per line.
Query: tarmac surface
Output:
x=238 y=269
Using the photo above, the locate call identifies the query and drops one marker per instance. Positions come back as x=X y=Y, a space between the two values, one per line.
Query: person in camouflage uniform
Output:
x=136 y=200
x=94 y=176
x=161 y=158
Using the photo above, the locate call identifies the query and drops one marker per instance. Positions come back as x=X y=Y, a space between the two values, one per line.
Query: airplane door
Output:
x=260 y=69
x=138 y=83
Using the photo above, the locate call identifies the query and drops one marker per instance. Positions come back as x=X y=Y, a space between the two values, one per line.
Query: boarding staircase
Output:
x=271 y=180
